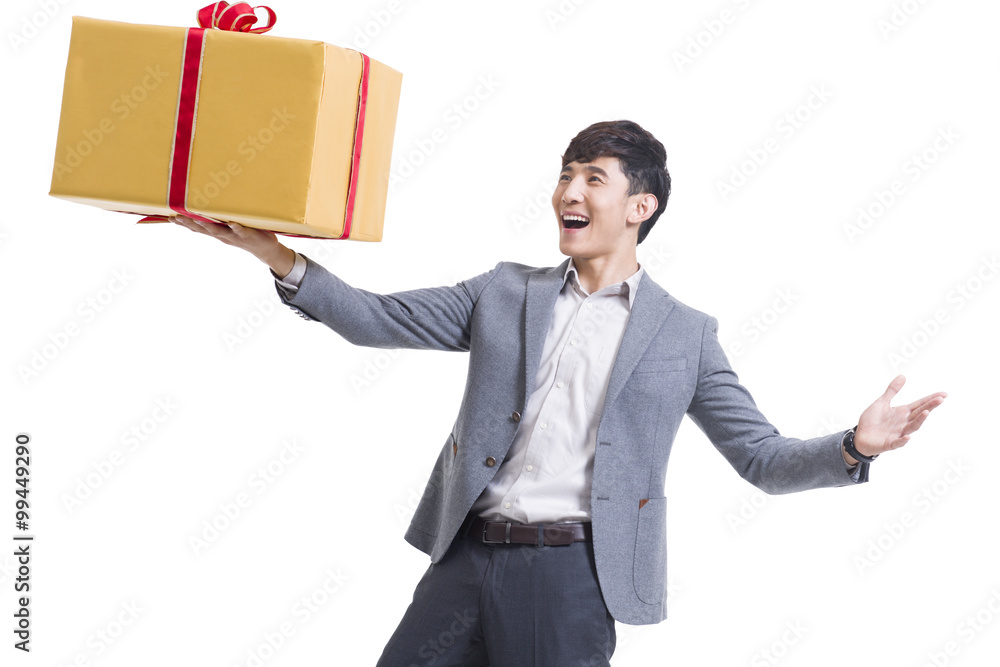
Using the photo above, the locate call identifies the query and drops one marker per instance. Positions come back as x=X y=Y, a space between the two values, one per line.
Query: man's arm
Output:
x=430 y=318
x=726 y=412
x=728 y=415
x=437 y=318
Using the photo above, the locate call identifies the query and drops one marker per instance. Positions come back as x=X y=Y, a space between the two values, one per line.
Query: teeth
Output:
x=575 y=217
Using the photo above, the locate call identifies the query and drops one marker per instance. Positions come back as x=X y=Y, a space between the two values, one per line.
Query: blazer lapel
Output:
x=540 y=300
x=649 y=309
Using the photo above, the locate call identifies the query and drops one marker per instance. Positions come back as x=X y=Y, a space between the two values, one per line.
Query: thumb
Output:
x=893 y=388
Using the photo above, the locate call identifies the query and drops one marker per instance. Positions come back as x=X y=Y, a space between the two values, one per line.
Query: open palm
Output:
x=883 y=427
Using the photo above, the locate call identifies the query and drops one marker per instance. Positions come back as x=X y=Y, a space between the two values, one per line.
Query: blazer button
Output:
x=516 y=416
x=490 y=461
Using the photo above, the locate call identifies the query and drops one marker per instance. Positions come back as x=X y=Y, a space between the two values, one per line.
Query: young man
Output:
x=544 y=515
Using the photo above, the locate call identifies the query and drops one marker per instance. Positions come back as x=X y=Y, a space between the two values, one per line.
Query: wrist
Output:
x=281 y=260
x=850 y=452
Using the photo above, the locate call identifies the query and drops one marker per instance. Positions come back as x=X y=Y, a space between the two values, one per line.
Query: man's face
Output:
x=592 y=206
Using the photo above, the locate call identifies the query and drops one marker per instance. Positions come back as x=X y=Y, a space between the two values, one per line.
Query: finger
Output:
x=893 y=388
x=215 y=229
x=915 y=422
x=899 y=442
x=245 y=232
x=939 y=396
x=184 y=221
x=925 y=407
x=190 y=223
x=242 y=236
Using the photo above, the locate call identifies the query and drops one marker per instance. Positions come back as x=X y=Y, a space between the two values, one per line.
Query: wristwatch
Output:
x=848 y=445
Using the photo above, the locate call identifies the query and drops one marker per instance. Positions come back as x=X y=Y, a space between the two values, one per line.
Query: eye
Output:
x=564 y=177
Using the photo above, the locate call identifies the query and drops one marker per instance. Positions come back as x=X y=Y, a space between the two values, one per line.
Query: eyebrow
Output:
x=587 y=167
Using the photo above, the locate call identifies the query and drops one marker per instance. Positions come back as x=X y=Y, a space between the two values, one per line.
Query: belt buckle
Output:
x=506 y=539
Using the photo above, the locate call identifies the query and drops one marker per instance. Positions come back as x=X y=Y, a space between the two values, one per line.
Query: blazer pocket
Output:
x=661 y=365
x=650 y=565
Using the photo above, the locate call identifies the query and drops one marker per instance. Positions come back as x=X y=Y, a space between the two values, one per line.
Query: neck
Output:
x=599 y=272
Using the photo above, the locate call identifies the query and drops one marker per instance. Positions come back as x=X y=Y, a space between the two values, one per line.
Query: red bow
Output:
x=238 y=17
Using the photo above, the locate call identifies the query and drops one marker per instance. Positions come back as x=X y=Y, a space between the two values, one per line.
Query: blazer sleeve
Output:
x=725 y=411
x=436 y=318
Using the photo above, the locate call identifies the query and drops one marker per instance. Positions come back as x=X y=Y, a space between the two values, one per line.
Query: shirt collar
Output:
x=627 y=287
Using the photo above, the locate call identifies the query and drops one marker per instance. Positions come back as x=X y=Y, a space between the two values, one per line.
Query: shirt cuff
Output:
x=292 y=281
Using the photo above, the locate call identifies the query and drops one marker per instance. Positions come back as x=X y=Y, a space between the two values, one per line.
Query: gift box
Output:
x=224 y=124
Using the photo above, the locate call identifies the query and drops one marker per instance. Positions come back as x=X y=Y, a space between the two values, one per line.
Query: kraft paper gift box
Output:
x=289 y=135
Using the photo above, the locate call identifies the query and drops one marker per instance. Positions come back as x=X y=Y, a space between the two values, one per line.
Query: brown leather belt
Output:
x=551 y=534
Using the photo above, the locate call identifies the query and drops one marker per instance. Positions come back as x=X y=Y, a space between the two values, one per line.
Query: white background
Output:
x=840 y=565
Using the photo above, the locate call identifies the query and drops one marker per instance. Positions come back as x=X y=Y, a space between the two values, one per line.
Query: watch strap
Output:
x=848 y=444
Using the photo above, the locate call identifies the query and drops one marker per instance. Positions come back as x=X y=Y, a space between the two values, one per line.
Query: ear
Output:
x=642 y=208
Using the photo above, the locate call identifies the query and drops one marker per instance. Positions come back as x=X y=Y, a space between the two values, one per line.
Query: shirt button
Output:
x=573 y=342
x=490 y=461
x=560 y=384
x=506 y=506
x=590 y=305
x=530 y=468
x=516 y=416
x=543 y=425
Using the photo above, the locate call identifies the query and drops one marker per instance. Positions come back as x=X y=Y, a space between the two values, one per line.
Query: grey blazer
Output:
x=670 y=363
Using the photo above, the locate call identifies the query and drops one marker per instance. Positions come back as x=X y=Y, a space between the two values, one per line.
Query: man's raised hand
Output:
x=883 y=427
x=262 y=244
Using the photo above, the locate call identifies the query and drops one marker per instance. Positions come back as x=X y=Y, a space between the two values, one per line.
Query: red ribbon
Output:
x=239 y=17
x=359 y=132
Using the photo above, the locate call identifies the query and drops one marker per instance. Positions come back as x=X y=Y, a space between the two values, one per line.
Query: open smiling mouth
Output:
x=575 y=221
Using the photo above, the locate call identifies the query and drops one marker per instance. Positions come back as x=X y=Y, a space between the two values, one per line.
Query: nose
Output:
x=573 y=193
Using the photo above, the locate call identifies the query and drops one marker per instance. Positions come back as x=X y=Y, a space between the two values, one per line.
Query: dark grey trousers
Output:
x=506 y=605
